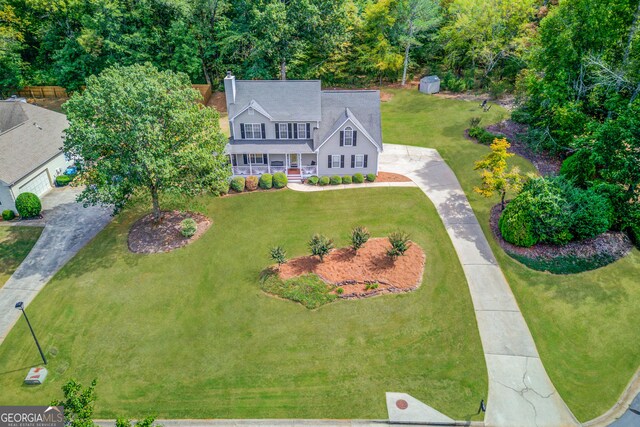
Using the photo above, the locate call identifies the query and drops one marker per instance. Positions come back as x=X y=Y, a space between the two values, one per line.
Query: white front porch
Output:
x=295 y=165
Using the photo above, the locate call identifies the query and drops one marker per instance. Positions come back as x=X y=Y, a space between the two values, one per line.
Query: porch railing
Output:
x=306 y=171
x=309 y=170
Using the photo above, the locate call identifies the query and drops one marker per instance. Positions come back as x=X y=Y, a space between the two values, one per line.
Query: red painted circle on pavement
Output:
x=402 y=404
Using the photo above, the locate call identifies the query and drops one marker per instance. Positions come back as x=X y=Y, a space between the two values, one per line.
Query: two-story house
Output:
x=293 y=126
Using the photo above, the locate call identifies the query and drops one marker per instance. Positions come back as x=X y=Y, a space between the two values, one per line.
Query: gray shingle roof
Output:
x=284 y=99
x=269 y=146
x=30 y=144
x=362 y=105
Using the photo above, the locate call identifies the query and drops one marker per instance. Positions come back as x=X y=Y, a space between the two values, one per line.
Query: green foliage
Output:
x=279 y=180
x=618 y=197
x=371 y=177
x=339 y=291
x=474 y=122
x=579 y=168
x=8 y=215
x=237 y=184
x=359 y=236
x=62 y=180
x=28 y=205
x=516 y=223
x=278 y=254
x=320 y=246
x=188 y=227
x=309 y=290
x=483 y=136
x=336 y=180
x=358 y=178
x=400 y=243
x=251 y=183
x=78 y=403
x=495 y=177
x=313 y=180
x=371 y=286
x=592 y=214
x=325 y=180
x=346 y=179
x=266 y=181
x=124 y=422
x=550 y=211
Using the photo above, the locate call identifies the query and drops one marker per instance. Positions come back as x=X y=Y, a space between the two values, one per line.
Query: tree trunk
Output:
x=406 y=64
x=632 y=33
x=206 y=72
x=157 y=213
x=283 y=70
x=504 y=193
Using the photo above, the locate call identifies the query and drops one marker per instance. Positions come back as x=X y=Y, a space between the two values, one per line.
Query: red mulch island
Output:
x=146 y=237
x=391 y=177
x=354 y=271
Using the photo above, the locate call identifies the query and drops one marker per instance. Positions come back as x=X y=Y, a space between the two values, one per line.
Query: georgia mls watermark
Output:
x=31 y=416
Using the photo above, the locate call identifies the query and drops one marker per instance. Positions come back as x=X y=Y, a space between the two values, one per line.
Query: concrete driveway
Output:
x=68 y=227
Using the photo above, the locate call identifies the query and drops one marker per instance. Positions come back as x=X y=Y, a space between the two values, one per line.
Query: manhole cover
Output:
x=402 y=404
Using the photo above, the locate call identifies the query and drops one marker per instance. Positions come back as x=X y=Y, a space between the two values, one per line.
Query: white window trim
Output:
x=348 y=131
x=253 y=159
x=253 y=132
x=286 y=130
x=333 y=161
x=303 y=134
x=355 y=164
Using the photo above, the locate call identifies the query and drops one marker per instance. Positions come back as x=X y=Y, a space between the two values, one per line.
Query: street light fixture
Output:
x=20 y=306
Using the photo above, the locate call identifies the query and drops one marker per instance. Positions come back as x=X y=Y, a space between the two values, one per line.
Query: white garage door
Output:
x=38 y=185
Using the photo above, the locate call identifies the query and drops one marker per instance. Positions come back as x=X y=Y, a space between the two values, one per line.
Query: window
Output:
x=302 y=131
x=359 y=163
x=335 y=161
x=257 y=159
x=252 y=131
x=283 y=129
x=348 y=136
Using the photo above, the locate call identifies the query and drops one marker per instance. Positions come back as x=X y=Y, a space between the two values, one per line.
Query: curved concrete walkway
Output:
x=68 y=227
x=520 y=392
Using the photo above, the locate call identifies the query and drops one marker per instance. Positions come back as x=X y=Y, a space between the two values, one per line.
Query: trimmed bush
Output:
x=359 y=236
x=62 y=180
x=346 y=179
x=312 y=180
x=483 y=136
x=619 y=200
x=221 y=188
x=516 y=225
x=358 y=178
x=237 y=184
x=279 y=180
x=278 y=254
x=579 y=168
x=188 y=227
x=251 y=183
x=399 y=241
x=335 y=180
x=320 y=245
x=592 y=214
x=325 y=180
x=550 y=211
x=371 y=177
x=28 y=205
x=266 y=181
x=8 y=214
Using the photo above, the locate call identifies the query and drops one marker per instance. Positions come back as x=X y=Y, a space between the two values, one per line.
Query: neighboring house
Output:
x=293 y=126
x=30 y=150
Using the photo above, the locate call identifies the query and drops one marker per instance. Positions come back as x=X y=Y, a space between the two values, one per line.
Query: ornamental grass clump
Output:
x=320 y=246
x=278 y=254
x=188 y=227
x=359 y=236
x=400 y=243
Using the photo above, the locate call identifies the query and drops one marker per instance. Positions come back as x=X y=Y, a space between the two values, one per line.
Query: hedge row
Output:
x=336 y=179
x=265 y=182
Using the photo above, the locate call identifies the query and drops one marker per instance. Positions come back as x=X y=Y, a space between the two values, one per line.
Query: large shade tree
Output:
x=140 y=128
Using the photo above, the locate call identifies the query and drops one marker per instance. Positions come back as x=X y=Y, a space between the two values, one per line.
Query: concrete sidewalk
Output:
x=311 y=188
x=520 y=392
x=68 y=227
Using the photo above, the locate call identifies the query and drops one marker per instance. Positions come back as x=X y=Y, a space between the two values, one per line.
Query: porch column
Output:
x=268 y=164
x=233 y=172
x=250 y=170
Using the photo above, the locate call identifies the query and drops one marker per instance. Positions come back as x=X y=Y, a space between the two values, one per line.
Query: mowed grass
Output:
x=585 y=325
x=189 y=334
x=15 y=244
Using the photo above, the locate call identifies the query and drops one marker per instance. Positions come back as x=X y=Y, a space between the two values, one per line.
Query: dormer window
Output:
x=348 y=136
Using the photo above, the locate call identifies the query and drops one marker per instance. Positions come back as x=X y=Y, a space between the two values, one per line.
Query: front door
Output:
x=293 y=161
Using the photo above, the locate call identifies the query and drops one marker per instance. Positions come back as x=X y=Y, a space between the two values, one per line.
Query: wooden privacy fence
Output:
x=205 y=90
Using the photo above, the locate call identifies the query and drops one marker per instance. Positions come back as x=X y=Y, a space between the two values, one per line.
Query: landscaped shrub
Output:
x=325 y=180
x=358 y=178
x=266 y=181
x=550 y=211
x=346 y=179
x=520 y=115
x=279 y=180
x=359 y=236
x=320 y=245
x=579 y=168
x=188 y=227
x=62 y=180
x=278 y=254
x=516 y=225
x=28 y=205
x=619 y=199
x=339 y=291
x=483 y=136
x=399 y=244
x=335 y=180
x=371 y=177
x=237 y=184
x=221 y=188
x=592 y=213
x=251 y=183
x=474 y=122
x=312 y=180
x=8 y=214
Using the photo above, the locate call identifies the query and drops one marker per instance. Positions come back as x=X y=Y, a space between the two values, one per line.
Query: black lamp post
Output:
x=20 y=306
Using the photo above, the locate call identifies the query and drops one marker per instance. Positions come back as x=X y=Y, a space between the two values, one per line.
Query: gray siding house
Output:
x=293 y=126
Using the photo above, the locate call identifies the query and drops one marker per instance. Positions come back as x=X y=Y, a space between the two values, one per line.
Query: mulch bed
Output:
x=391 y=177
x=146 y=237
x=354 y=271
x=571 y=258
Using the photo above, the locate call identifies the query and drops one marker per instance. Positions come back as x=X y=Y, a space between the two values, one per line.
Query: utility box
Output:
x=36 y=376
x=430 y=84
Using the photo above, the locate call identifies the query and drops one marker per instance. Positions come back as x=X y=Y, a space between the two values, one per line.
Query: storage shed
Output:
x=429 y=84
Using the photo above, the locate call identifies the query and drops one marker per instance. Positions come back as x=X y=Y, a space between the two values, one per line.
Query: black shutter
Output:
x=308 y=130
x=329 y=161
x=341 y=138
x=295 y=131
x=277 y=130
x=244 y=158
x=342 y=161
x=355 y=137
x=366 y=156
x=353 y=161
x=264 y=159
x=290 y=131
x=264 y=131
x=242 y=130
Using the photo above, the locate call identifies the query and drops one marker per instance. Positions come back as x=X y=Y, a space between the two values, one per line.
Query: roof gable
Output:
x=342 y=121
x=257 y=107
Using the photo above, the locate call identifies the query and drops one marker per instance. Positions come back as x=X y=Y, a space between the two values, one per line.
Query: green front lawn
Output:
x=585 y=325
x=15 y=244
x=190 y=334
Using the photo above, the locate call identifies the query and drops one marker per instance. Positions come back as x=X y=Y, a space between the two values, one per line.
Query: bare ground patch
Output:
x=147 y=237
